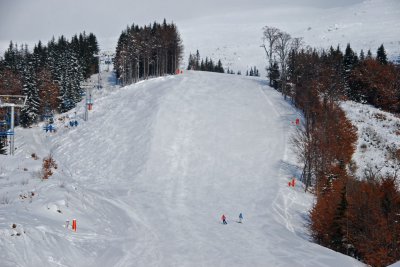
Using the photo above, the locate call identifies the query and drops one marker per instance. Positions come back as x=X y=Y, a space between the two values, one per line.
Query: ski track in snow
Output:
x=152 y=171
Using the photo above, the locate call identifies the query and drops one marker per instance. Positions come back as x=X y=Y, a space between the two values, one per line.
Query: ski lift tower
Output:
x=89 y=99
x=108 y=59
x=12 y=101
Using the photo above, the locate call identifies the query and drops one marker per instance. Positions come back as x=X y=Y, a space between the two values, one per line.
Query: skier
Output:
x=223 y=218
x=240 y=217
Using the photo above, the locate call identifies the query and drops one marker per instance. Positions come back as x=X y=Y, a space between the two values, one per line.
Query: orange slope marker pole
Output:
x=74 y=225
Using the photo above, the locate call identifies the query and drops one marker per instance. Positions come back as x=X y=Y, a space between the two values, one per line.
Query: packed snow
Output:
x=150 y=174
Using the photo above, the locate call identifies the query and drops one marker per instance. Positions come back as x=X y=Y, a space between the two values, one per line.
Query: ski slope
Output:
x=150 y=174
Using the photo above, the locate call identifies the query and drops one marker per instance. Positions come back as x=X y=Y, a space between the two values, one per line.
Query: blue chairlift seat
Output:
x=49 y=128
x=6 y=133
x=73 y=123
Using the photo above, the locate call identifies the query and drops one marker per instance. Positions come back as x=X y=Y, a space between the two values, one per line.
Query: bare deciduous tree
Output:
x=270 y=37
x=282 y=49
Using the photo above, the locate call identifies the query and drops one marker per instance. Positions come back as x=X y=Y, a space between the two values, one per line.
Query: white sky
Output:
x=28 y=21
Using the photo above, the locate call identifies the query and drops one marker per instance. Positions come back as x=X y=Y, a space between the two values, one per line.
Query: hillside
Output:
x=150 y=174
x=378 y=139
x=236 y=37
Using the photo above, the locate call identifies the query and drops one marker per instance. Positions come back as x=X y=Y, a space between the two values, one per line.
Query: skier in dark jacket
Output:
x=223 y=218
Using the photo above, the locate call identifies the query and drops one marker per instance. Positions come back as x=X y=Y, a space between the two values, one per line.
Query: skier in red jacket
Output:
x=223 y=218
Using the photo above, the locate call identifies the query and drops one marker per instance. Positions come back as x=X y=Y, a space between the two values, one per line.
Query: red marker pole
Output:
x=74 y=225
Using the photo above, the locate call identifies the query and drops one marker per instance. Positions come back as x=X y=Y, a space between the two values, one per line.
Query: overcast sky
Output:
x=33 y=20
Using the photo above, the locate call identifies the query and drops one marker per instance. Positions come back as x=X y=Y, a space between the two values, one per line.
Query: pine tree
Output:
x=381 y=55
x=91 y=47
x=274 y=75
x=338 y=230
x=197 y=65
x=59 y=68
x=75 y=73
x=369 y=54
x=350 y=61
x=30 y=113
x=14 y=58
x=10 y=57
x=202 y=66
x=362 y=56
x=207 y=65
x=219 y=67
x=212 y=67
x=39 y=55
x=149 y=50
x=67 y=73
x=191 y=63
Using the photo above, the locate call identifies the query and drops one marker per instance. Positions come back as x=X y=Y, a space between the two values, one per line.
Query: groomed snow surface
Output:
x=149 y=175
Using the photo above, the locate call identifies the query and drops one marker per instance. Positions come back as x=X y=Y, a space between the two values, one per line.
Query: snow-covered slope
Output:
x=378 y=139
x=150 y=174
x=235 y=37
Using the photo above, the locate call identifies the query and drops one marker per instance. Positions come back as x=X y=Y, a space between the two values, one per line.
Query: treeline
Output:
x=359 y=218
x=253 y=72
x=356 y=217
x=49 y=76
x=197 y=63
x=352 y=216
x=362 y=78
x=148 y=51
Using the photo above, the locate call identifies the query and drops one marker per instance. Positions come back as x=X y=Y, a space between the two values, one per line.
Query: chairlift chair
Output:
x=6 y=133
